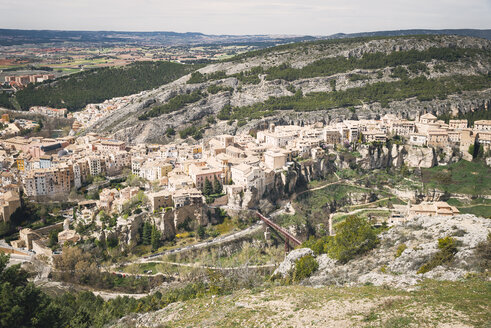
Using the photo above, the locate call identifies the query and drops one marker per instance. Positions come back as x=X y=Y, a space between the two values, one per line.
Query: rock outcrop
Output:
x=285 y=267
x=295 y=179
x=382 y=266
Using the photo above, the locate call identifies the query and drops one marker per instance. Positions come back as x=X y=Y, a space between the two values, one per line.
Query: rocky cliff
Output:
x=124 y=124
x=299 y=174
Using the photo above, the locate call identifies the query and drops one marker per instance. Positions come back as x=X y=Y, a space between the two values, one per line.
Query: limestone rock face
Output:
x=420 y=157
x=420 y=235
x=296 y=178
x=288 y=263
x=167 y=226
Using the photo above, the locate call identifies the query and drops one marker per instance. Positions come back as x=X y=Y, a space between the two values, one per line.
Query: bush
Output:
x=483 y=253
x=353 y=237
x=400 y=249
x=174 y=104
x=448 y=248
x=304 y=267
x=194 y=131
x=319 y=245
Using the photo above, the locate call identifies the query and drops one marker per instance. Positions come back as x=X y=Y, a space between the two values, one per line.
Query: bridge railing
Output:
x=281 y=230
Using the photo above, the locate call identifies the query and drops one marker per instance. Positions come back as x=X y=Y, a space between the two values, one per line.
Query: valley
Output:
x=328 y=182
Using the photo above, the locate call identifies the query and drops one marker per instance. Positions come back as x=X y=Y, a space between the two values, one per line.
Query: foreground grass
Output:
x=431 y=304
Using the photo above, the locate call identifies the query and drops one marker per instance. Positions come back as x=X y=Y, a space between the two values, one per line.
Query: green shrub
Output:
x=194 y=131
x=214 y=89
x=400 y=249
x=447 y=248
x=483 y=253
x=304 y=267
x=353 y=237
x=318 y=245
x=400 y=72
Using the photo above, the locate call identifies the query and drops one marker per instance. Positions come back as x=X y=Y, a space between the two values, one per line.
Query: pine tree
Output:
x=201 y=232
x=217 y=186
x=155 y=238
x=147 y=233
x=207 y=188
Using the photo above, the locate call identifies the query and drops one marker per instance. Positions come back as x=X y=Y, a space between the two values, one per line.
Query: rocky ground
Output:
x=381 y=266
x=436 y=304
x=375 y=290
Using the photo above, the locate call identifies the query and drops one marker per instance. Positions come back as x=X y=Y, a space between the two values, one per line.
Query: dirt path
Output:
x=105 y=294
x=199 y=266
x=219 y=240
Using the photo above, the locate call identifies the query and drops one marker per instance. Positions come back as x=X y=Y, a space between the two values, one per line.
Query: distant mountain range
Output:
x=484 y=34
x=9 y=37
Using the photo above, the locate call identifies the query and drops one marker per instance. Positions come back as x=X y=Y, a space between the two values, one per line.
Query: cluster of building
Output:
x=23 y=80
x=426 y=130
x=436 y=133
x=50 y=168
x=37 y=240
x=8 y=128
x=175 y=176
x=48 y=111
x=402 y=213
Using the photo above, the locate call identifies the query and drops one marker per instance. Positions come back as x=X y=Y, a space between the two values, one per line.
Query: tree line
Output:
x=96 y=85
x=420 y=87
x=340 y=64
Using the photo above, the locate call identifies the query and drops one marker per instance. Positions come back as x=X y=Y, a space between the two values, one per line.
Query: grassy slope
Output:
x=432 y=304
x=472 y=178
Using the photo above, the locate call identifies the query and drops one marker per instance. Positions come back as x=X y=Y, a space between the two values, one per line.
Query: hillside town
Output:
x=253 y=164
x=183 y=181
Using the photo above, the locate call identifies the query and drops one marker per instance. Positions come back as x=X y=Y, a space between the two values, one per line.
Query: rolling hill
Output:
x=315 y=81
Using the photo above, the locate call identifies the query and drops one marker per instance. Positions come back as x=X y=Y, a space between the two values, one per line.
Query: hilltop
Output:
x=314 y=81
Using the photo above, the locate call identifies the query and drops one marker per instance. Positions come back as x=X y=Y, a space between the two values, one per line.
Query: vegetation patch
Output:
x=96 y=85
x=420 y=87
x=463 y=177
x=400 y=249
x=354 y=236
x=214 y=89
x=447 y=248
x=304 y=268
x=483 y=253
x=173 y=104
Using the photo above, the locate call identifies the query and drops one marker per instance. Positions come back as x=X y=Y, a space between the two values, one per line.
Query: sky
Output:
x=295 y=17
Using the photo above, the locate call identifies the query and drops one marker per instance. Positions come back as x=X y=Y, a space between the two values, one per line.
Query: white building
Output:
x=274 y=160
x=417 y=139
